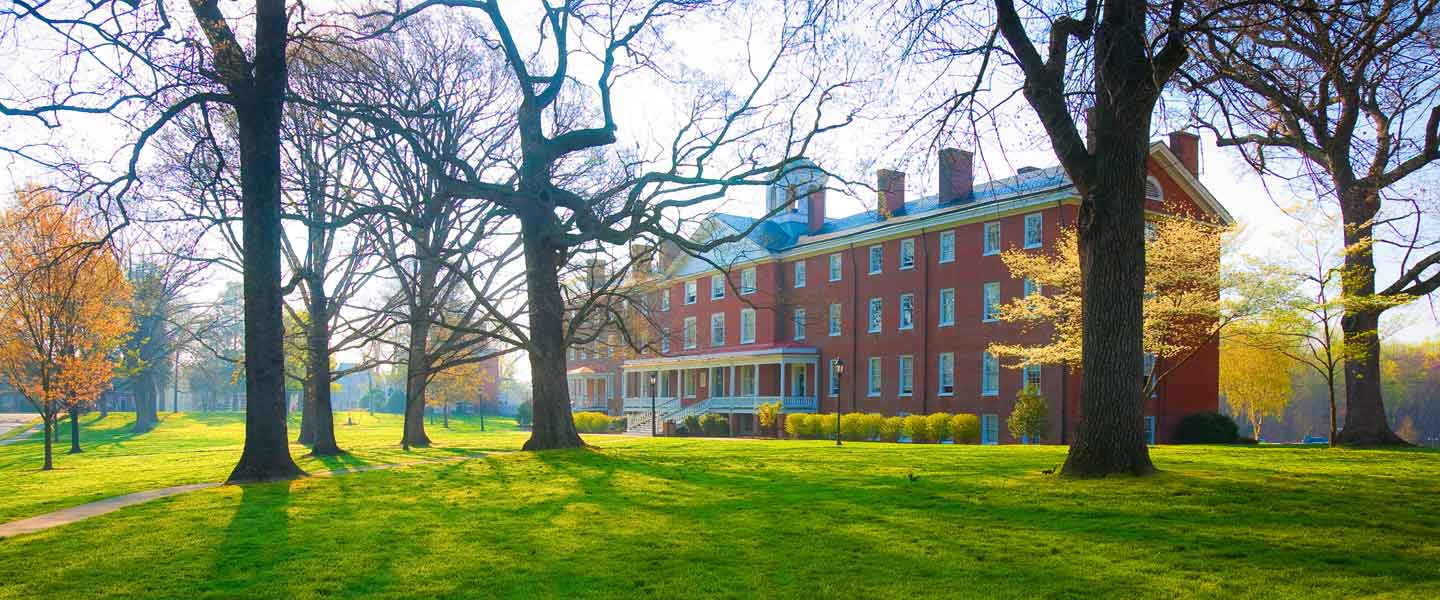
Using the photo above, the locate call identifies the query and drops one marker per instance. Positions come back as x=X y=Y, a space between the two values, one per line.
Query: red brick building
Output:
x=903 y=295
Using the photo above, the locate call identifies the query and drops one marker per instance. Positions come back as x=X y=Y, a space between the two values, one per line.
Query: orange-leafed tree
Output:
x=461 y=383
x=64 y=309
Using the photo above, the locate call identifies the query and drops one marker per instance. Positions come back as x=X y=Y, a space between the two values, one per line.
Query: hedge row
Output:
x=935 y=427
x=594 y=422
x=711 y=425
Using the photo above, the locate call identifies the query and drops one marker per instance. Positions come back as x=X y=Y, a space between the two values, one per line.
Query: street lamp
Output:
x=653 y=391
x=839 y=366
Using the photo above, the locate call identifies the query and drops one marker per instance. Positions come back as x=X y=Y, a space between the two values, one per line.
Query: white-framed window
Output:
x=1153 y=191
x=1031 y=288
x=692 y=293
x=570 y=353
x=1148 y=367
x=583 y=354
x=689 y=333
x=877 y=259
x=1150 y=430
x=990 y=429
x=989 y=374
x=947 y=307
x=717 y=329
x=991 y=242
x=799 y=324
x=877 y=307
x=664 y=342
x=907 y=253
x=947 y=246
x=747 y=326
x=872 y=377
x=1030 y=377
x=834 y=380
x=946 y=373
x=747 y=281
x=907 y=375
x=835 y=270
x=718 y=383
x=907 y=311
x=834 y=319
x=991 y=302
x=688 y=383
x=748 y=378
x=665 y=300
x=717 y=287
x=1034 y=230
x=800 y=273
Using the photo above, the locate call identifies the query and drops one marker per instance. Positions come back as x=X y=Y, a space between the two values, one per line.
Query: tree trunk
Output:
x=266 y=455
x=322 y=417
x=1330 y=388
x=553 y=426
x=49 y=425
x=104 y=406
x=1110 y=437
x=1365 y=420
x=307 y=414
x=146 y=413
x=75 y=431
x=415 y=376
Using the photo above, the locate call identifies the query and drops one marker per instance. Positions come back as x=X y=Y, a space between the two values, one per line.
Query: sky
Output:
x=730 y=48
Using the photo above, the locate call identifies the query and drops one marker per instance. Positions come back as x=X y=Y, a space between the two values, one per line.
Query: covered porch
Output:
x=733 y=383
x=590 y=390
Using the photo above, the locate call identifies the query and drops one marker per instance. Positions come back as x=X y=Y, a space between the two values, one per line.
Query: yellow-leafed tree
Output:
x=64 y=308
x=1255 y=372
x=1184 y=307
x=460 y=383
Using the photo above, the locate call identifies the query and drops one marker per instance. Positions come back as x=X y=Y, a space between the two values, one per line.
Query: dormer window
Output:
x=1153 y=190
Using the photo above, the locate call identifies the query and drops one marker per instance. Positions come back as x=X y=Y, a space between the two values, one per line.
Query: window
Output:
x=747 y=379
x=717 y=382
x=989 y=375
x=834 y=319
x=664 y=342
x=689 y=333
x=907 y=254
x=689 y=383
x=877 y=259
x=583 y=354
x=747 y=326
x=747 y=281
x=1034 y=230
x=1151 y=232
x=1150 y=430
x=799 y=324
x=717 y=329
x=947 y=307
x=991 y=310
x=800 y=274
x=946 y=375
x=570 y=353
x=691 y=293
x=1031 y=288
x=907 y=311
x=1152 y=189
x=907 y=375
x=992 y=238
x=1149 y=365
x=834 y=380
x=835 y=267
x=872 y=376
x=947 y=246
x=1030 y=377
x=717 y=287
x=990 y=429
x=877 y=306
x=664 y=300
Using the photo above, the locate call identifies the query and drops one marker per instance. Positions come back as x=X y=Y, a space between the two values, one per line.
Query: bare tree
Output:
x=1351 y=90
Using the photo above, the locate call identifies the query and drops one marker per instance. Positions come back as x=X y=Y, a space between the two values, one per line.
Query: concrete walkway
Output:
x=109 y=505
x=9 y=422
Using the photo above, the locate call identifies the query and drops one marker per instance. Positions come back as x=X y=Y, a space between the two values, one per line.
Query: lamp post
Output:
x=839 y=366
x=653 y=392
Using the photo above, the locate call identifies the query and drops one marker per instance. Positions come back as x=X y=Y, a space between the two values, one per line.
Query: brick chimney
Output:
x=1186 y=146
x=642 y=256
x=816 y=209
x=891 y=185
x=957 y=175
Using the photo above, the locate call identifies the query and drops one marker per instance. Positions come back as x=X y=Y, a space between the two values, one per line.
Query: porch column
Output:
x=624 y=384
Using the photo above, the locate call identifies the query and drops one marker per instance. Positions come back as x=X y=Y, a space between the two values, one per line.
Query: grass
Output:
x=723 y=518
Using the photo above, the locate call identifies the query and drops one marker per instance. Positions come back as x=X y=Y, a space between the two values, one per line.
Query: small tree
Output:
x=768 y=414
x=1029 y=419
x=64 y=309
x=1255 y=373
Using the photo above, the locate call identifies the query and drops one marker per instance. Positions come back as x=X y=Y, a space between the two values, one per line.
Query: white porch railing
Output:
x=745 y=405
x=662 y=404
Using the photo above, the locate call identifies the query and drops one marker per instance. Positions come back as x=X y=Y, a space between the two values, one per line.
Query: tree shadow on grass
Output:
x=252 y=558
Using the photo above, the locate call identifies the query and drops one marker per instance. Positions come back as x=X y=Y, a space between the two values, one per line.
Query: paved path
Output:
x=109 y=505
x=12 y=421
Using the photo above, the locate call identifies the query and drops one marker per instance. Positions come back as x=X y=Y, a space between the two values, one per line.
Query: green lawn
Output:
x=724 y=518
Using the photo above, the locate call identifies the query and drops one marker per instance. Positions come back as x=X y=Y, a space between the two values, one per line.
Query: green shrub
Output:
x=591 y=422
x=891 y=428
x=1030 y=417
x=1207 y=428
x=691 y=425
x=715 y=425
x=767 y=416
x=917 y=429
x=824 y=425
x=965 y=428
x=523 y=413
x=852 y=426
x=795 y=425
x=617 y=424
x=872 y=422
x=939 y=426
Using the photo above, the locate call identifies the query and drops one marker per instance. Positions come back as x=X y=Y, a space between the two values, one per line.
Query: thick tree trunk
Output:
x=75 y=431
x=307 y=415
x=1365 y=420
x=49 y=425
x=1110 y=437
x=322 y=414
x=553 y=426
x=415 y=376
x=266 y=455
x=146 y=413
